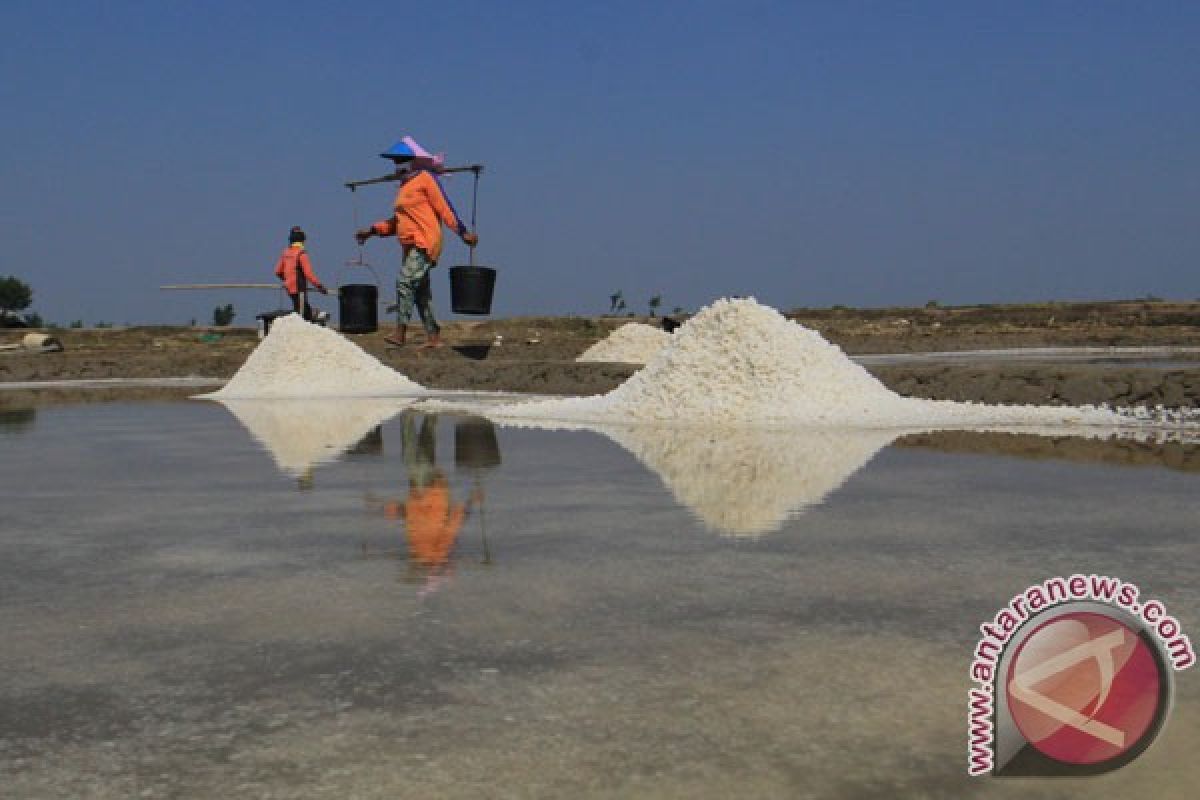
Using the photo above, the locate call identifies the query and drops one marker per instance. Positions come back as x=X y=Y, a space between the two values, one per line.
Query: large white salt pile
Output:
x=749 y=481
x=740 y=362
x=299 y=359
x=632 y=343
x=301 y=434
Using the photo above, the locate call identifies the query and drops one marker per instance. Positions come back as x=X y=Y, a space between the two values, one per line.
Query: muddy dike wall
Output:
x=1047 y=385
x=73 y=365
x=544 y=377
x=527 y=370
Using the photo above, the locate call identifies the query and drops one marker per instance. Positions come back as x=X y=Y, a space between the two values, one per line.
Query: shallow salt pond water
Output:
x=253 y=601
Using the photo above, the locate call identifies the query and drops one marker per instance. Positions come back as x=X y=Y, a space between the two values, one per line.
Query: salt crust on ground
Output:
x=299 y=359
x=739 y=362
x=632 y=343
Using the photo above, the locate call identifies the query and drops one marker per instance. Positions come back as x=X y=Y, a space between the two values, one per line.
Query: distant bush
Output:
x=15 y=294
x=223 y=315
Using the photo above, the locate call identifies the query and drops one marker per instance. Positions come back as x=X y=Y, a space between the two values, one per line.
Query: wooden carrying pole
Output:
x=331 y=290
x=223 y=286
x=395 y=176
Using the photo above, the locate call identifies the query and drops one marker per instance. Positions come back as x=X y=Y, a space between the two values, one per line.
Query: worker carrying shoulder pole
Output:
x=420 y=210
x=294 y=268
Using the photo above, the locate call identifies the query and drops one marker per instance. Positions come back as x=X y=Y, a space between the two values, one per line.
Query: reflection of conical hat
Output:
x=407 y=148
x=301 y=434
x=749 y=481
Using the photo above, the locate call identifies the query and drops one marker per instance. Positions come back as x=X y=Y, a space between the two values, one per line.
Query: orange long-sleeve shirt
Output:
x=292 y=261
x=421 y=209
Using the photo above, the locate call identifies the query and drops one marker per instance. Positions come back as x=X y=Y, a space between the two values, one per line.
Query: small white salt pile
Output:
x=299 y=359
x=739 y=362
x=632 y=343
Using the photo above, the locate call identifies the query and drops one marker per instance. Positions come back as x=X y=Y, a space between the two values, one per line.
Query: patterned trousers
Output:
x=412 y=288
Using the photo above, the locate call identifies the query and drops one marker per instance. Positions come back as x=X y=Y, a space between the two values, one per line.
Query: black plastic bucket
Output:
x=358 y=308
x=471 y=289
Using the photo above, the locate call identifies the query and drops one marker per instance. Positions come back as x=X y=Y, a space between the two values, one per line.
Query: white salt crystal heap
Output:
x=632 y=343
x=299 y=359
x=739 y=362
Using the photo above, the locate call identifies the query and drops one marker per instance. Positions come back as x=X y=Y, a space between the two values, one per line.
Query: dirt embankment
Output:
x=915 y=330
x=1047 y=386
x=537 y=354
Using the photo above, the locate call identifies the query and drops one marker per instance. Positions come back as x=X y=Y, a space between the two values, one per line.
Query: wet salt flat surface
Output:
x=201 y=601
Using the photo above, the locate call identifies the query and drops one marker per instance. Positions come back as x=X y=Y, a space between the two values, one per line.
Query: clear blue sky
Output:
x=805 y=153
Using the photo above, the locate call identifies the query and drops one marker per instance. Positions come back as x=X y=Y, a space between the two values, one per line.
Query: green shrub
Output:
x=223 y=315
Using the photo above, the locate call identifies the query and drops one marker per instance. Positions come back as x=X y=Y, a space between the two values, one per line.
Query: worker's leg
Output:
x=416 y=277
x=424 y=300
x=412 y=271
x=300 y=299
x=300 y=305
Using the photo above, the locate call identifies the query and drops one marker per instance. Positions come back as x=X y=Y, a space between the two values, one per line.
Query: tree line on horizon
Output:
x=16 y=296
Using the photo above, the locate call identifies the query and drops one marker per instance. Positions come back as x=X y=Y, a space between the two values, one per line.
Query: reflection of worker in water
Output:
x=432 y=519
x=294 y=268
